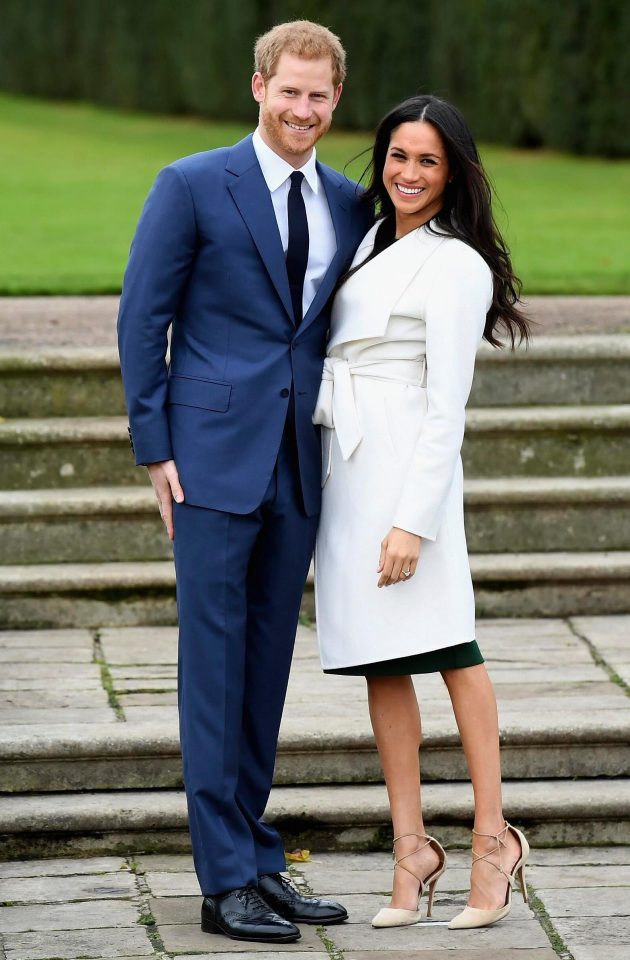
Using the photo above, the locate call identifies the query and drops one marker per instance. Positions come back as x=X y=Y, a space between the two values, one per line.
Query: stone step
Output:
x=552 y=812
x=500 y=442
x=127 y=593
x=55 y=758
x=591 y=369
x=99 y=524
x=535 y=514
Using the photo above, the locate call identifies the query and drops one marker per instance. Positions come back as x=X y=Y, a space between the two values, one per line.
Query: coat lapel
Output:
x=251 y=196
x=364 y=304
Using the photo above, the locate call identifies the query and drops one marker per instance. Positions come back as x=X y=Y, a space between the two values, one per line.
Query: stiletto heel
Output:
x=473 y=917
x=430 y=901
x=396 y=916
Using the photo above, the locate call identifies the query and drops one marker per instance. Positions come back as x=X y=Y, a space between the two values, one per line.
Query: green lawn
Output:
x=73 y=179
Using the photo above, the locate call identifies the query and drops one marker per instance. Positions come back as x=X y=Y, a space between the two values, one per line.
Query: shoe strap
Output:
x=398 y=860
x=500 y=841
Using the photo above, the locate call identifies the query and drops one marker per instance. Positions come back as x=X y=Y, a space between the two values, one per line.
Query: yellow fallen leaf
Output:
x=299 y=856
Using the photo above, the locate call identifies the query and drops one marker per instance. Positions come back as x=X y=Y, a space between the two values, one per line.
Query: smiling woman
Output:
x=415 y=174
x=393 y=588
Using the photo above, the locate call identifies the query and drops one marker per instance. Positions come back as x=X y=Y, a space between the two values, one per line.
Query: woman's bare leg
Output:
x=396 y=723
x=475 y=708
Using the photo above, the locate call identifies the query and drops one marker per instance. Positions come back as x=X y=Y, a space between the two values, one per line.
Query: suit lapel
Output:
x=340 y=214
x=251 y=195
x=364 y=304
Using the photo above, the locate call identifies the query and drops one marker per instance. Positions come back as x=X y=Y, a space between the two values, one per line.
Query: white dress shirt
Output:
x=321 y=232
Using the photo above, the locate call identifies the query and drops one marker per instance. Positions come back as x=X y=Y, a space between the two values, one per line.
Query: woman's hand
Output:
x=399 y=557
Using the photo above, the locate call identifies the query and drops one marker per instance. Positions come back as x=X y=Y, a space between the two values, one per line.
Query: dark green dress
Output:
x=434 y=661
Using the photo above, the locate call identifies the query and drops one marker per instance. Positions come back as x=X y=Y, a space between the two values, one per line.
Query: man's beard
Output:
x=280 y=135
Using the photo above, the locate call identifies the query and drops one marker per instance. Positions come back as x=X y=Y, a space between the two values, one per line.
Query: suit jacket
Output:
x=207 y=258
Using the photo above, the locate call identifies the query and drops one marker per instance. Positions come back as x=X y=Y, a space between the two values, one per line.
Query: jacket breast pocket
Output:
x=194 y=392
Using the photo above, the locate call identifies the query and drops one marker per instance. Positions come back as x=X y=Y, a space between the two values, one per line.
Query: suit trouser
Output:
x=239 y=585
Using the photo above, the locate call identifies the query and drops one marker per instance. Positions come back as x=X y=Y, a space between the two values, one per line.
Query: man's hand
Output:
x=399 y=557
x=165 y=480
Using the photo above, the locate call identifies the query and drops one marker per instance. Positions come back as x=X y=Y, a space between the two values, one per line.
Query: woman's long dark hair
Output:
x=467 y=210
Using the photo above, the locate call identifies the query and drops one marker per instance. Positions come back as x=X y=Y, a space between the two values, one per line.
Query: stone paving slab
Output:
x=36 y=670
x=183 y=937
x=164 y=863
x=172 y=884
x=51 y=699
x=62 y=867
x=138 y=685
x=45 y=638
x=605 y=931
x=593 y=856
x=595 y=952
x=605 y=901
x=69 y=916
x=427 y=935
x=162 y=698
x=453 y=952
x=74 y=944
x=296 y=954
x=61 y=715
x=580 y=875
x=91 y=683
x=161 y=714
x=165 y=671
x=73 y=654
x=176 y=909
x=60 y=889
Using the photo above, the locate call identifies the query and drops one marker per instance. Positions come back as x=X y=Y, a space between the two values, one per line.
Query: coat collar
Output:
x=251 y=195
x=365 y=302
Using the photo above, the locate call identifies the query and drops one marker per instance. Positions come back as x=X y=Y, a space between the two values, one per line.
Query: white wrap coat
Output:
x=404 y=333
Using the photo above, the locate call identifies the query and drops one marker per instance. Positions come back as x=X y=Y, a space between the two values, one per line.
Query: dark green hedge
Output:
x=525 y=72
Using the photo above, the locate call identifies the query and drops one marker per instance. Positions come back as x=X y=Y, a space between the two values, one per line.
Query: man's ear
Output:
x=336 y=95
x=258 y=87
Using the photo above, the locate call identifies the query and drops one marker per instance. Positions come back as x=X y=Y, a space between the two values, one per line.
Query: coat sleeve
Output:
x=160 y=261
x=455 y=308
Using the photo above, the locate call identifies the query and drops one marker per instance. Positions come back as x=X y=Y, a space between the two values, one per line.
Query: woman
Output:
x=430 y=280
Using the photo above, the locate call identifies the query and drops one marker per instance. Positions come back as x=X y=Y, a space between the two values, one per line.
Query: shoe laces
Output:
x=500 y=839
x=250 y=897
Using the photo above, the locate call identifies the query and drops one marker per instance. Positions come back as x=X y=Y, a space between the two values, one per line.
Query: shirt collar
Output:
x=276 y=171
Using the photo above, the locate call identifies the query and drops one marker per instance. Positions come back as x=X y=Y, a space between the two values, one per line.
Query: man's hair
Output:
x=300 y=38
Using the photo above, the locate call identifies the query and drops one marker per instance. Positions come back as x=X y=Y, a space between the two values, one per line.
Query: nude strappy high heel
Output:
x=396 y=916
x=473 y=917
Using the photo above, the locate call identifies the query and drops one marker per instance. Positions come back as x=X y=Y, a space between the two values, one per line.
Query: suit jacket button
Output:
x=284 y=392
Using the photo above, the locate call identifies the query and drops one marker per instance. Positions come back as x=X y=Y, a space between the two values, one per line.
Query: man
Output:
x=239 y=249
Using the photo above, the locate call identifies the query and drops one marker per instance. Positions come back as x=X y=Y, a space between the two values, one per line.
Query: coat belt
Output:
x=336 y=407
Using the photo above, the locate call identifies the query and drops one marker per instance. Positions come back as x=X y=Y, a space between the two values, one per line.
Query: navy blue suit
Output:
x=234 y=412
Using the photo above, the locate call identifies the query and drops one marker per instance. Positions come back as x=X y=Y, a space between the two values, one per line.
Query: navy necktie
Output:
x=297 y=249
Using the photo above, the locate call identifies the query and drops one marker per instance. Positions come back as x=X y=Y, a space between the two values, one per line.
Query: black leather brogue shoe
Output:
x=242 y=914
x=290 y=904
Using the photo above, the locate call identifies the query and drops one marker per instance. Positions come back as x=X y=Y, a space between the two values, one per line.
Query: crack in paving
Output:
x=146 y=917
x=322 y=932
x=106 y=677
x=540 y=912
x=598 y=659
